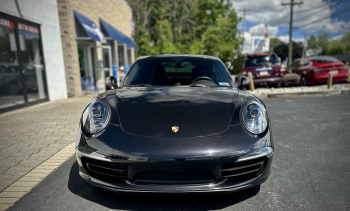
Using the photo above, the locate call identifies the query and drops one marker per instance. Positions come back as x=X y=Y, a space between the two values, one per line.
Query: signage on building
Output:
x=7 y=23
x=95 y=31
x=260 y=44
x=27 y=28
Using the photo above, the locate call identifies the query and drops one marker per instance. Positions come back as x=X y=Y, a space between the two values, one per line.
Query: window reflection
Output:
x=10 y=79
x=29 y=40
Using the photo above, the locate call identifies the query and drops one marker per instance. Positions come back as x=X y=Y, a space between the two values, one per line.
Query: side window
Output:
x=303 y=63
x=295 y=65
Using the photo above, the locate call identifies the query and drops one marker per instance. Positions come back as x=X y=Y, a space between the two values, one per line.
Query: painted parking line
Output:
x=26 y=183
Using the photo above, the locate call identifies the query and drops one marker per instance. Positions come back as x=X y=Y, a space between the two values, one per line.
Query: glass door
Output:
x=11 y=77
x=107 y=60
x=32 y=61
x=22 y=70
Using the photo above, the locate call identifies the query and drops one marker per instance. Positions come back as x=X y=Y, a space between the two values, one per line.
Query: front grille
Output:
x=105 y=171
x=183 y=178
x=243 y=170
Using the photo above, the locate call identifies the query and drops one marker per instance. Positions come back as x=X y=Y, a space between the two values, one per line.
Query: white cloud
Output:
x=277 y=15
x=338 y=37
x=285 y=39
x=258 y=30
x=337 y=26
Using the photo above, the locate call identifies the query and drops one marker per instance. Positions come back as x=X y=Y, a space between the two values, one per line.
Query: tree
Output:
x=345 y=40
x=323 y=46
x=323 y=42
x=165 y=38
x=282 y=51
x=274 y=41
x=186 y=26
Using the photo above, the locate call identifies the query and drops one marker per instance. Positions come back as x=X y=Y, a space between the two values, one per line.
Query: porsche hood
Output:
x=175 y=112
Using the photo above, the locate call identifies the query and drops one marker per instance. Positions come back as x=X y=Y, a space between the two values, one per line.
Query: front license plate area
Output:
x=334 y=72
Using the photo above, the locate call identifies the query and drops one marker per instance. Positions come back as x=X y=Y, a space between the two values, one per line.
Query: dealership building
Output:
x=54 y=49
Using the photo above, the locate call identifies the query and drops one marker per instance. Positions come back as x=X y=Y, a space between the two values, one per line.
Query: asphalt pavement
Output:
x=310 y=170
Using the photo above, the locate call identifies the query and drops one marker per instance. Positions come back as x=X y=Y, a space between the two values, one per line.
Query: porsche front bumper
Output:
x=220 y=185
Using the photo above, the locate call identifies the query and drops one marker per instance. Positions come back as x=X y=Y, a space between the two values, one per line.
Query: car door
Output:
x=292 y=75
x=303 y=67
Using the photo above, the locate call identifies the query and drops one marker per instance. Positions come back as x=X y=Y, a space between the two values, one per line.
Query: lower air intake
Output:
x=105 y=171
x=243 y=170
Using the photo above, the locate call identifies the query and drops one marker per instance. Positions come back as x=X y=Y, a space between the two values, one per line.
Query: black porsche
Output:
x=175 y=124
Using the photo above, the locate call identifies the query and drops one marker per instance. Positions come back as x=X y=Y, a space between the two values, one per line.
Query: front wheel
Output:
x=303 y=81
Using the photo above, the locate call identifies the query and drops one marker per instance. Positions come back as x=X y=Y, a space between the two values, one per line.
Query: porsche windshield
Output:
x=178 y=71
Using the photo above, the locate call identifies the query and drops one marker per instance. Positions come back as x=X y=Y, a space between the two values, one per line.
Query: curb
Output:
x=302 y=93
x=306 y=93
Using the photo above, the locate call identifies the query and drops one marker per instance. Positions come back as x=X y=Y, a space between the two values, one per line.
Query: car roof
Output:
x=178 y=55
x=261 y=54
x=320 y=57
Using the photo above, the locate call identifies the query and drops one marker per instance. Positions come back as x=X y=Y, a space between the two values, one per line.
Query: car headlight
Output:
x=254 y=117
x=96 y=116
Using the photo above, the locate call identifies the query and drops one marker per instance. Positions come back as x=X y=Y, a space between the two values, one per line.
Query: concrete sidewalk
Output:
x=32 y=135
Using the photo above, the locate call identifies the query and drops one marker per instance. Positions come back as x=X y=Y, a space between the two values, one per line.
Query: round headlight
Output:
x=96 y=116
x=254 y=117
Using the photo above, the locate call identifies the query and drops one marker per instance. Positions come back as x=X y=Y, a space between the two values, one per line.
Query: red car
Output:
x=266 y=68
x=315 y=70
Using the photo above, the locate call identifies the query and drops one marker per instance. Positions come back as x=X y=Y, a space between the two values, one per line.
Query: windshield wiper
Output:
x=198 y=85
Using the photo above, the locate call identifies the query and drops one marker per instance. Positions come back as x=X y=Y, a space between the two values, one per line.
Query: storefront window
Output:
x=121 y=55
x=129 y=56
x=29 y=39
x=11 y=93
x=22 y=72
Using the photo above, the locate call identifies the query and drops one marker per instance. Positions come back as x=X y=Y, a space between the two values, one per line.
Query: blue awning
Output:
x=130 y=43
x=90 y=28
x=117 y=35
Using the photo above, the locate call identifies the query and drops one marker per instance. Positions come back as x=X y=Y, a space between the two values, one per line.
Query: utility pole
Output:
x=244 y=15
x=290 y=53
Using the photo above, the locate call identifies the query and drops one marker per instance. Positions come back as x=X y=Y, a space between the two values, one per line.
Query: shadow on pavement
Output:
x=141 y=202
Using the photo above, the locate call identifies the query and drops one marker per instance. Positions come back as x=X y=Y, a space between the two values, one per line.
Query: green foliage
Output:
x=274 y=42
x=186 y=26
x=165 y=39
x=323 y=46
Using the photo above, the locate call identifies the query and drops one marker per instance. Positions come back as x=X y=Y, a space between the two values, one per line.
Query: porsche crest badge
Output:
x=175 y=129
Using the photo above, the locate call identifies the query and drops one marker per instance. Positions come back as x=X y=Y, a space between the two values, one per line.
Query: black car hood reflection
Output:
x=197 y=111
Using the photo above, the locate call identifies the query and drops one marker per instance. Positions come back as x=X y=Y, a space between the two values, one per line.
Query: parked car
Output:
x=266 y=68
x=10 y=78
x=315 y=70
x=176 y=124
x=10 y=81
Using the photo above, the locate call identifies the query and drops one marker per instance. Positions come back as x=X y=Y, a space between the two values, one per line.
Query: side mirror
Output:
x=245 y=81
x=111 y=82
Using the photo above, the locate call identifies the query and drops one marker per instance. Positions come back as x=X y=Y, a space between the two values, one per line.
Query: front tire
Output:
x=303 y=81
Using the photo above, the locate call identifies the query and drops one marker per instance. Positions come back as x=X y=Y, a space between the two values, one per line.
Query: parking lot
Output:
x=310 y=170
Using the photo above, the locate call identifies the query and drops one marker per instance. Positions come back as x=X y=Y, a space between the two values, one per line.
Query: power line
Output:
x=323 y=18
x=321 y=6
x=311 y=14
x=291 y=4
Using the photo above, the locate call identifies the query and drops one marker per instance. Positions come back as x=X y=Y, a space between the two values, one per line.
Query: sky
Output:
x=319 y=16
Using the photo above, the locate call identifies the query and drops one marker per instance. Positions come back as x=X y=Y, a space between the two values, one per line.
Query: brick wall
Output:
x=115 y=12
